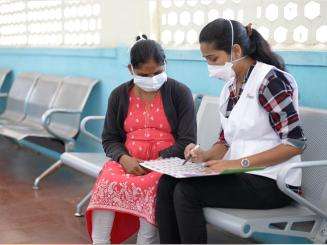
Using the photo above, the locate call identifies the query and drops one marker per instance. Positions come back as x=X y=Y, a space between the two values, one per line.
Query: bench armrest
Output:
x=281 y=182
x=46 y=119
x=88 y=133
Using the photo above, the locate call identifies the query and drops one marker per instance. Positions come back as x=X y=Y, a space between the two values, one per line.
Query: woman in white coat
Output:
x=260 y=128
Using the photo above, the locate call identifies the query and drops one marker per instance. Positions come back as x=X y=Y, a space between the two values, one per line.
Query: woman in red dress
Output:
x=149 y=117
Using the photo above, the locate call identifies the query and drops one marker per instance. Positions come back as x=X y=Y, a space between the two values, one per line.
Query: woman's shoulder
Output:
x=122 y=88
x=278 y=76
x=277 y=81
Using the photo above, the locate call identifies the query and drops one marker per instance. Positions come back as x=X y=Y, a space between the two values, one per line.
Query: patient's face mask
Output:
x=225 y=72
x=150 y=84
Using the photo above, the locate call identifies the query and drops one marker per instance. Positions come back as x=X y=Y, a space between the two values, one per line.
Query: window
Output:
x=50 y=23
x=290 y=24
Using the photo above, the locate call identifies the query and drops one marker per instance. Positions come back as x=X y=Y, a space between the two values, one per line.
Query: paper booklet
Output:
x=173 y=167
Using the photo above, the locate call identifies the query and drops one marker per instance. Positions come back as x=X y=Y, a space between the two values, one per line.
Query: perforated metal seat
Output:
x=307 y=218
x=40 y=100
x=51 y=111
x=17 y=97
x=44 y=106
x=314 y=124
x=208 y=122
x=86 y=162
x=61 y=119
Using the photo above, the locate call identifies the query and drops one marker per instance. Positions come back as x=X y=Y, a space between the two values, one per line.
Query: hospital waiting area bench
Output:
x=45 y=106
x=306 y=218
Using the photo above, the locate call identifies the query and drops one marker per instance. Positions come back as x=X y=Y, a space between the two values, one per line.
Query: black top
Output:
x=178 y=106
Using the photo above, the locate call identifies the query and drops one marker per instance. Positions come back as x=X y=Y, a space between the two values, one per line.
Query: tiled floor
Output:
x=46 y=215
x=43 y=216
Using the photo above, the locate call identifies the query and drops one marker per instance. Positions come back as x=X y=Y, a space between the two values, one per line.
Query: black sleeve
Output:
x=186 y=122
x=112 y=139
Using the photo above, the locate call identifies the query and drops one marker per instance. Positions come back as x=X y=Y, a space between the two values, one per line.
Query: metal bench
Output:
x=38 y=102
x=44 y=106
x=88 y=163
x=307 y=217
x=62 y=118
x=17 y=97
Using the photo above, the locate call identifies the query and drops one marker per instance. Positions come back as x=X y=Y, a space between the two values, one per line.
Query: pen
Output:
x=190 y=156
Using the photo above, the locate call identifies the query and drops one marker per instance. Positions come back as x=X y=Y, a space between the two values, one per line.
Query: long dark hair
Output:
x=219 y=33
x=145 y=49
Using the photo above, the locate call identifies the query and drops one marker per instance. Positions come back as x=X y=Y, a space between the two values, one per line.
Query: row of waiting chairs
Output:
x=45 y=106
x=306 y=218
x=34 y=96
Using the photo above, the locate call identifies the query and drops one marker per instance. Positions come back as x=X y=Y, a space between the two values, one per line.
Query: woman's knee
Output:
x=186 y=193
x=166 y=186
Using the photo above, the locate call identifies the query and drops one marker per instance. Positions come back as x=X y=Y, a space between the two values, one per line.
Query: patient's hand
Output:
x=132 y=165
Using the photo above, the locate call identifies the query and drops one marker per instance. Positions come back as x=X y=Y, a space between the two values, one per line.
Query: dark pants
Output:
x=180 y=202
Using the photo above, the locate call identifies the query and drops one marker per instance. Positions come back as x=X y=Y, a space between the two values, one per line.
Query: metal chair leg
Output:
x=47 y=172
x=80 y=205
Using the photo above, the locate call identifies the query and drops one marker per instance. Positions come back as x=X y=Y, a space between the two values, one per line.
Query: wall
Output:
x=109 y=65
x=187 y=66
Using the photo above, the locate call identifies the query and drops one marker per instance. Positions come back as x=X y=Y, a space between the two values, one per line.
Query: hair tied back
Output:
x=141 y=37
x=249 y=29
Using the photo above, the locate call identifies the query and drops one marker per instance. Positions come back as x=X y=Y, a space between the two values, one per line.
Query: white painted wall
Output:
x=123 y=20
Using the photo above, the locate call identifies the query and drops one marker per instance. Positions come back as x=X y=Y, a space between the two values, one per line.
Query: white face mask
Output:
x=225 y=72
x=150 y=84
